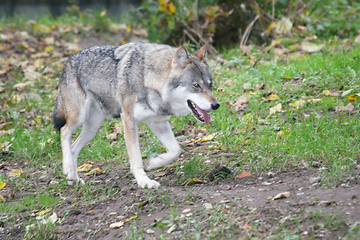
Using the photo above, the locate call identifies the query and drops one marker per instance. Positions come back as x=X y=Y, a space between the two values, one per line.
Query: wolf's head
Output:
x=190 y=85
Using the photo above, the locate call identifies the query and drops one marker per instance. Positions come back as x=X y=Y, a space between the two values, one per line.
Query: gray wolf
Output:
x=134 y=82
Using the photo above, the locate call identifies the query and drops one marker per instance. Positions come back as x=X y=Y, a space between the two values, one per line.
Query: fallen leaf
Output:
x=43 y=212
x=171 y=229
x=90 y=212
x=192 y=180
x=311 y=47
x=2 y=198
x=352 y=98
x=348 y=107
x=298 y=103
x=240 y=103
x=208 y=137
x=95 y=171
x=2 y=184
x=282 y=195
x=16 y=172
x=275 y=109
x=117 y=224
x=85 y=167
x=273 y=97
x=244 y=174
x=284 y=25
x=247 y=86
x=247 y=117
x=327 y=93
x=346 y=92
x=132 y=218
x=246 y=226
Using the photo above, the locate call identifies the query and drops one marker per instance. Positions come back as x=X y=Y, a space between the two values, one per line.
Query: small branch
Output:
x=247 y=32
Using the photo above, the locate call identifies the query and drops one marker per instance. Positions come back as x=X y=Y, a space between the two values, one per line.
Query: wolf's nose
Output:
x=215 y=106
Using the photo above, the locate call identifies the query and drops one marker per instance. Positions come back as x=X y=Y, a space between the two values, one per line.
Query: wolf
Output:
x=134 y=82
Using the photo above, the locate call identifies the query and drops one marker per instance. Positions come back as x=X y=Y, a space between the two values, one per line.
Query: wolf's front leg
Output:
x=160 y=126
x=133 y=147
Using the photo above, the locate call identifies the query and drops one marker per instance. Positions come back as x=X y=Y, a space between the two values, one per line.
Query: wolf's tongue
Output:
x=203 y=113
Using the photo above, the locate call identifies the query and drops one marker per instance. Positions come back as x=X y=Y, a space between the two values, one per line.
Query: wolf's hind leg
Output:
x=69 y=163
x=162 y=129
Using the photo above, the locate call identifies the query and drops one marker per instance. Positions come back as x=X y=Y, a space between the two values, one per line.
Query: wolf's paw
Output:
x=75 y=182
x=147 y=182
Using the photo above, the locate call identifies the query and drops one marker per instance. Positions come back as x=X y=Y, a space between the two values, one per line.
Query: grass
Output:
x=304 y=131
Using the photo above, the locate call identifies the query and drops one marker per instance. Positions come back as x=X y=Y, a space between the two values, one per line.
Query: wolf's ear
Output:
x=201 y=54
x=181 y=57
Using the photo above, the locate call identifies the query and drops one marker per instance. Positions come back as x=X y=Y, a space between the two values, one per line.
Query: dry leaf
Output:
x=117 y=224
x=16 y=172
x=240 y=103
x=282 y=195
x=327 y=93
x=192 y=180
x=275 y=109
x=90 y=212
x=348 y=107
x=352 y=98
x=208 y=137
x=244 y=174
x=298 y=103
x=95 y=171
x=311 y=47
x=43 y=212
x=85 y=167
x=273 y=97
x=246 y=226
x=2 y=184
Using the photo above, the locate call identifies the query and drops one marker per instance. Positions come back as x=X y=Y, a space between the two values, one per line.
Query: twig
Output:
x=272 y=8
x=191 y=38
x=211 y=48
x=247 y=32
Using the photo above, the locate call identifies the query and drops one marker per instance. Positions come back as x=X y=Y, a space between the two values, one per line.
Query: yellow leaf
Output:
x=103 y=13
x=273 y=97
x=2 y=198
x=2 y=184
x=352 y=98
x=208 y=137
x=167 y=6
x=327 y=93
x=192 y=180
x=85 y=167
x=43 y=212
x=128 y=28
x=16 y=172
x=271 y=26
x=247 y=117
x=275 y=109
x=49 y=49
x=297 y=104
x=95 y=171
x=132 y=218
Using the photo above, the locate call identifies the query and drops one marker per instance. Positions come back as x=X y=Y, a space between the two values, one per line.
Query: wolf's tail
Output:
x=59 y=115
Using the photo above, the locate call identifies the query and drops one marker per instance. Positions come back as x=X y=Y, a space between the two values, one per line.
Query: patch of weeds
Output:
x=30 y=202
x=193 y=168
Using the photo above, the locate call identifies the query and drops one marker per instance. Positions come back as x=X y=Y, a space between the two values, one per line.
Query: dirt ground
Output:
x=254 y=193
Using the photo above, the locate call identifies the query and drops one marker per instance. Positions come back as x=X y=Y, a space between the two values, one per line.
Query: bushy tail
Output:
x=59 y=116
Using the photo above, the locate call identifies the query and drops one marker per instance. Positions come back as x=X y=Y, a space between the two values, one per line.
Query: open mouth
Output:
x=199 y=113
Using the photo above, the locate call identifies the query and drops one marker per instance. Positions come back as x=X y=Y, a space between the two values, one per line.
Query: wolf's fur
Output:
x=136 y=81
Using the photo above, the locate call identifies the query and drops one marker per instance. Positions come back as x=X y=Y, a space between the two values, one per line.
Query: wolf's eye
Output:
x=196 y=85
